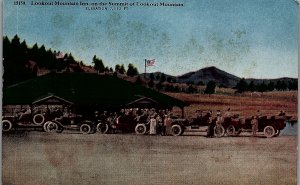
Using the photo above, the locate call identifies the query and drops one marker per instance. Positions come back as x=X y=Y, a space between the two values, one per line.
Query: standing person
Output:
x=254 y=123
x=219 y=118
x=211 y=126
x=152 y=130
x=167 y=124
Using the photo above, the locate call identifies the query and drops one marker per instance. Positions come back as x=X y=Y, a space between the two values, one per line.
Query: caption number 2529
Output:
x=19 y=3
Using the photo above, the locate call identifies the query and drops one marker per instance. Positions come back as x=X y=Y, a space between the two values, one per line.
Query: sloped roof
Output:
x=84 y=88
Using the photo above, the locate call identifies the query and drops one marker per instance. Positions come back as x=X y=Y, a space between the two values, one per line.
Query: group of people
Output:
x=159 y=120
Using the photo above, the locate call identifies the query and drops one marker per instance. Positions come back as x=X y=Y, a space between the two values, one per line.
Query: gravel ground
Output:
x=48 y=158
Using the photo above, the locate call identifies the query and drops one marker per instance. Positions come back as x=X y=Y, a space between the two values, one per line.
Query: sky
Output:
x=247 y=38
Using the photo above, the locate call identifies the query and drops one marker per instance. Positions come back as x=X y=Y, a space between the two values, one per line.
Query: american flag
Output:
x=150 y=62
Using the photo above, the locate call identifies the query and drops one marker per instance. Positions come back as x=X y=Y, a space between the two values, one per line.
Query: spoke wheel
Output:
x=102 y=128
x=45 y=126
x=219 y=131
x=6 y=125
x=140 y=129
x=176 y=130
x=85 y=128
x=269 y=131
x=38 y=119
x=52 y=127
x=230 y=130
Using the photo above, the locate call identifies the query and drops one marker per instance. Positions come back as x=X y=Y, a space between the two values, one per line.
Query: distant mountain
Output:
x=214 y=74
x=207 y=74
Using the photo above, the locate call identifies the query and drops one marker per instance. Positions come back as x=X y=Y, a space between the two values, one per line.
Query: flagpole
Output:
x=145 y=69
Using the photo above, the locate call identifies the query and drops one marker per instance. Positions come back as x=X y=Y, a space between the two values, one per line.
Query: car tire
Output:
x=45 y=126
x=230 y=130
x=219 y=131
x=52 y=127
x=269 y=131
x=176 y=130
x=6 y=125
x=85 y=128
x=102 y=128
x=140 y=129
x=38 y=119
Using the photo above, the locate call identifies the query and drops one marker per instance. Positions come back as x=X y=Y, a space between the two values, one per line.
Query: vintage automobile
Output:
x=22 y=120
x=270 y=126
x=129 y=123
x=71 y=121
x=180 y=125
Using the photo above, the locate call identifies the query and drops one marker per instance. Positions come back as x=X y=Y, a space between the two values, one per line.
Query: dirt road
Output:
x=37 y=158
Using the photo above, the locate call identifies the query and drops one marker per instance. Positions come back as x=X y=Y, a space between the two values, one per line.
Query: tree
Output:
x=169 y=79
x=117 y=68
x=162 y=77
x=210 y=87
x=252 y=87
x=111 y=70
x=280 y=85
x=271 y=86
x=132 y=71
x=98 y=64
x=157 y=77
x=200 y=83
x=151 y=76
x=293 y=85
x=192 y=89
x=262 y=87
x=241 y=86
x=122 y=69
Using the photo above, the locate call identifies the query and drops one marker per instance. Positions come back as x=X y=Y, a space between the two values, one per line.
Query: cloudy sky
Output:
x=248 y=38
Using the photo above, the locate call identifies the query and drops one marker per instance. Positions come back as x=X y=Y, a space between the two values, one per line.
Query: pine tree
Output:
x=210 y=87
x=98 y=64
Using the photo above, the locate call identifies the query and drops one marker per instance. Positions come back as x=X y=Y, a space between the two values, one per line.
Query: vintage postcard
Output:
x=150 y=92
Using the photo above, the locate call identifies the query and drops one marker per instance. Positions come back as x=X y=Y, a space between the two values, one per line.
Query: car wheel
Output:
x=85 y=128
x=140 y=129
x=102 y=128
x=52 y=127
x=269 y=131
x=219 y=131
x=176 y=130
x=38 y=119
x=6 y=125
x=230 y=130
x=45 y=126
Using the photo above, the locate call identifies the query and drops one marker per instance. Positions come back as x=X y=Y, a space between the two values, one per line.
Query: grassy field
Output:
x=35 y=158
x=246 y=104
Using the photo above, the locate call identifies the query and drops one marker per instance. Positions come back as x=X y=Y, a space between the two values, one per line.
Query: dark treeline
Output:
x=22 y=62
x=279 y=85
